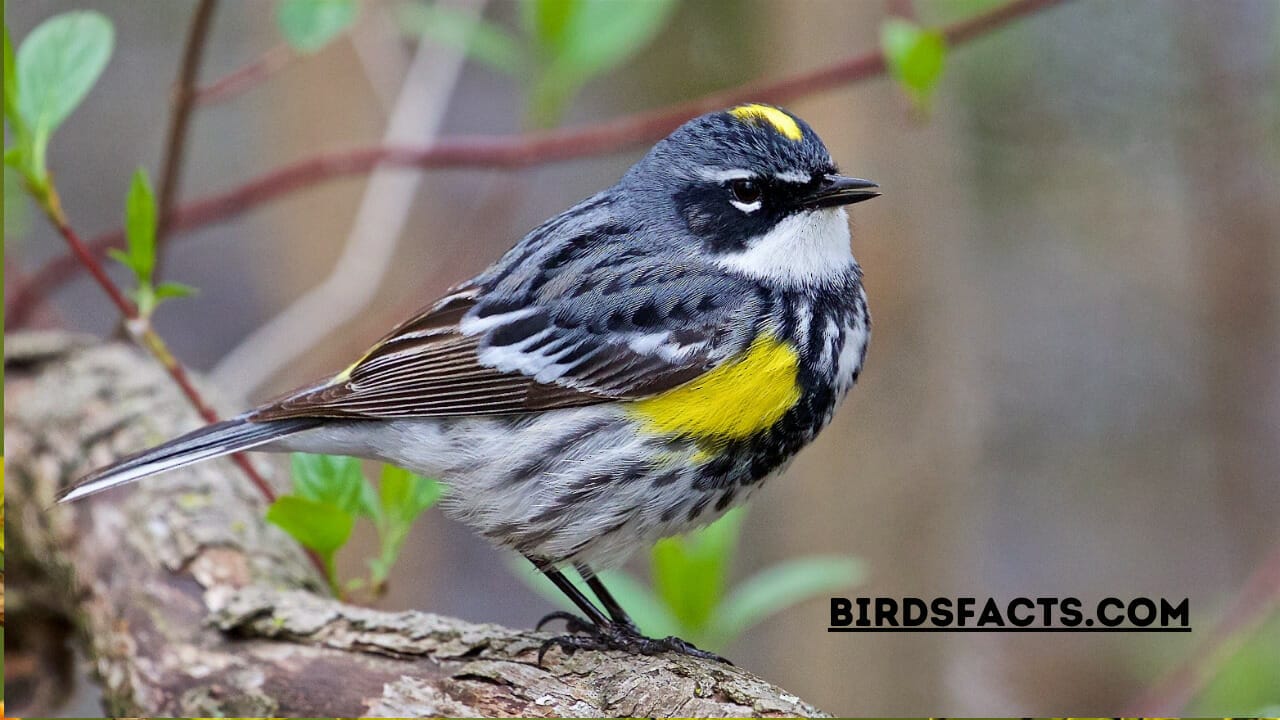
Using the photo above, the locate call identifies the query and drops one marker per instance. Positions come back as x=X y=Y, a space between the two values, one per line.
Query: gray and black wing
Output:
x=578 y=313
x=578 y=329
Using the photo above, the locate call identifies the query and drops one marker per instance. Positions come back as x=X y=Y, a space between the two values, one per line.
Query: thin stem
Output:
x=240 y=80
x=179 y=121
x=904 y=9
x=52 y=205
x=142 y=332
x=331 y=574
x=514 y=152
x=1258 y=599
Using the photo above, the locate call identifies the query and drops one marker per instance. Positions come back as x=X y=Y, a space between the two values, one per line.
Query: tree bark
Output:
x=189 y=604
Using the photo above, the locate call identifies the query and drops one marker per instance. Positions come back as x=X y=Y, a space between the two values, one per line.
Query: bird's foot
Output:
x=573 y=624
x=615 y=636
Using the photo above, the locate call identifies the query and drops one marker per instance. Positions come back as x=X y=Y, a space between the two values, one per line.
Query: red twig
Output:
x=518 y=151
x=148 y=338
x=13 y=276
x=142 y=332
x=179 y=121
x=89 y=260
x=246 y=77
x=1259 y=597
x=15 y=279
x=904 y=9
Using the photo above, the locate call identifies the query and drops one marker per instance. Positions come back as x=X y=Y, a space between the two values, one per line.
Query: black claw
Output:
x=564 y=642
x=676 y=645
x=573 y=624
x=615 y=636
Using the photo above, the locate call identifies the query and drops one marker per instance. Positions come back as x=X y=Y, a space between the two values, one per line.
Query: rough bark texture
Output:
x=189 y=605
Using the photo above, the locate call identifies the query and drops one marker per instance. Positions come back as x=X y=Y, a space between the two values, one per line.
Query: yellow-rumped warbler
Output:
x=631 y=369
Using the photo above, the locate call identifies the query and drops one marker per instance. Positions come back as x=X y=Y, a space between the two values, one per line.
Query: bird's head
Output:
x=756 y=188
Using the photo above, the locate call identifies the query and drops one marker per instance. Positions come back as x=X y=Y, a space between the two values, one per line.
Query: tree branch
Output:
x=515 y=152
x=192 y=606
x=179 y=121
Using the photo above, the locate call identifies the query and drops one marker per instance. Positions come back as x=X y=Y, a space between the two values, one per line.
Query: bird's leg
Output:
x=624 y=633
x=616 y=613
x=585 y=633
x=598 y=632
x=575 y=623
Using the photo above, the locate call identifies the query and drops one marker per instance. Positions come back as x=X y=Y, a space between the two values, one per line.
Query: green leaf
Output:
x=14 y=157
x=549 y=97
x=57 y=65
x=782 y=586
x=689 y=572
x=332 y=479
x=320 y=526
x=140 y=227
x=168 y=290
x=1244 y=678
x=916 y=56
x=121 y=257
x=370 y=507
x=546 y=21
x=602 y=34
x=405 y=495
x=309 y=25
x=577 y=40
x=11 y=112
x=478 y=38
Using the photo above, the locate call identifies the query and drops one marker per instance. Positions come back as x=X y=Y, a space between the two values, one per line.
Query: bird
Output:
x=631 y=369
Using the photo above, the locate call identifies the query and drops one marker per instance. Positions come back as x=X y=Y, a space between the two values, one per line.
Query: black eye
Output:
x=745 y=191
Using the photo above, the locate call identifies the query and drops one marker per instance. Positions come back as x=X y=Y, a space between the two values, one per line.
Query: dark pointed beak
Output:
x=836 y=190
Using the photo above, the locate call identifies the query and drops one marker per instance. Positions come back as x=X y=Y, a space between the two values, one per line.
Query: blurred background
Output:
x=1074 y=384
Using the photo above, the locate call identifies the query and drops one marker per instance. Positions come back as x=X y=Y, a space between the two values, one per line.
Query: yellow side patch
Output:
x=734 y=401
x=782 y=122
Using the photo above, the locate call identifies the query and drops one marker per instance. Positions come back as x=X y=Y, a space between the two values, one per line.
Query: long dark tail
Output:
x=210 y=441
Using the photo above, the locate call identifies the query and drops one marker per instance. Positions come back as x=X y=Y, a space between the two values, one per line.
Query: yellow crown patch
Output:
x=780 y=121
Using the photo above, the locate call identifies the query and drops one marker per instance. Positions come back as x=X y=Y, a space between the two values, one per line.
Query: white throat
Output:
x=807 y=248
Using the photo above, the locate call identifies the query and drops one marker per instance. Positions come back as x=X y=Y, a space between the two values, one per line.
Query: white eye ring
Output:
x=746 y=207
